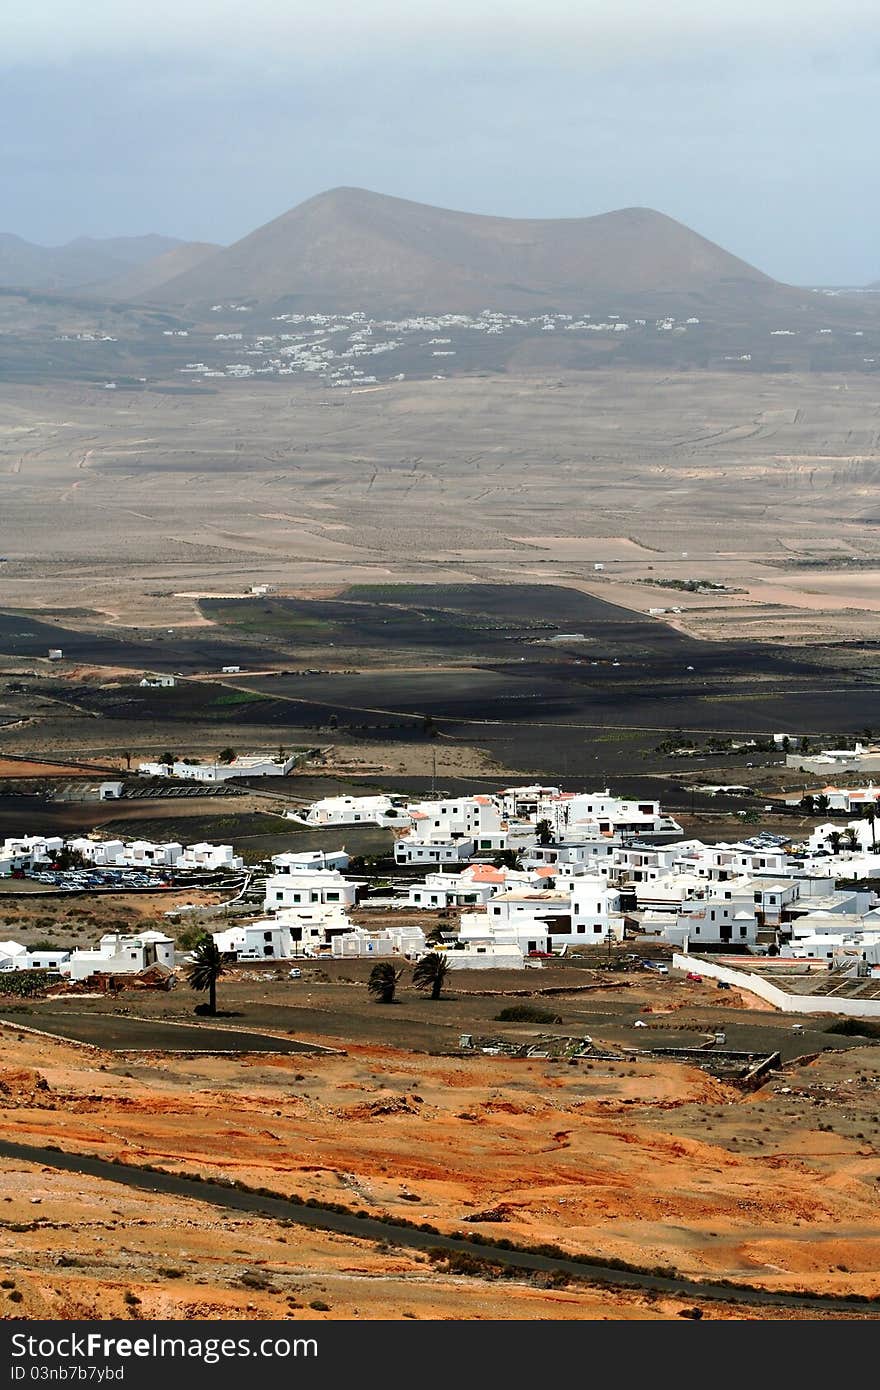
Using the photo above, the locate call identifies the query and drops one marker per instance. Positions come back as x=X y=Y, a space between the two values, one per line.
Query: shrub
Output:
x=526 y=1013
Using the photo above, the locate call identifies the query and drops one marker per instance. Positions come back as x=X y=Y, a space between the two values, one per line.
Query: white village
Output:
x=508 y=880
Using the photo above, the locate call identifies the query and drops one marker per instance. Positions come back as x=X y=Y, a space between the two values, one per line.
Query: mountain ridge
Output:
x=349 y=248
x=77 y=264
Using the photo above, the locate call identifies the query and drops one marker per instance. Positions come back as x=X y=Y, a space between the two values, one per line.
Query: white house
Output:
x=14 y=956
x=310 y=860
x=480 y=819
x=529 y=935
x=408 y=942
x=209 y=857
x=472 y=887
x=118 y=954
x=476 y=955
x=356 y=810
x=147 y=854
x=268 y=940
x=321 y=887
x=525 y=801
x=584 y=815
x=250 y=765
x=586 y=912
x=411 y=849
x=28 y=851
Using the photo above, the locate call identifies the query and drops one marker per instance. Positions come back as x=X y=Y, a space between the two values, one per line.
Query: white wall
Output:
x=787 y=1003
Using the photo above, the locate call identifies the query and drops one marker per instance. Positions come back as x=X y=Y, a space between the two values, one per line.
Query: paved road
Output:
x=116 y=1033
x=280 y=1208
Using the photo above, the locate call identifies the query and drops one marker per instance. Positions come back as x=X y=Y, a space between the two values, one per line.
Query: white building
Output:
x=528 y=935
x=411 y=849
x=356 y=810
x=476 y=955
x=472 y=887
x=585 y=912
x=268 y=940
x=309 y=888
x=28 y=852
x=35 y=960
x=14 y=956
x=584 y=815
x=209 y=857
x=408 y=942
x=310 y=860
x=251 y=765
x=118 y=954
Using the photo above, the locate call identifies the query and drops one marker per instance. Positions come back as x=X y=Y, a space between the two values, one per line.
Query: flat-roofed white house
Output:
x=407 y=942
x=309 y=860
x=485 y=955
x=249 y=765
x=584 y=912
x=321 y=887
x=357 y=810
x=268 y=940
x=528 y=936
x=209 y=857
x=28 y=851
x=14 y=956
x=120 y=954
x=411 y=849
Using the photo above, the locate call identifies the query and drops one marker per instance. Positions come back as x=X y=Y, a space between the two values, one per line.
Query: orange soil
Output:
x=654 y=1163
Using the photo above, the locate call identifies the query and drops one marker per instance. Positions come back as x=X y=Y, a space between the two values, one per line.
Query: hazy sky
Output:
x=754 y=121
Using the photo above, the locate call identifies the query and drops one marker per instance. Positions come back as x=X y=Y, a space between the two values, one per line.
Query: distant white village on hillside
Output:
x=530 y=872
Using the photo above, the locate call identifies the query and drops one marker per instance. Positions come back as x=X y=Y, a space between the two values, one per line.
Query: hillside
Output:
x=350 y=249
x=141 y=281
x=84 y=262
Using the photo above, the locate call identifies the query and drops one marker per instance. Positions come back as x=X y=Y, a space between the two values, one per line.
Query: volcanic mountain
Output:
x=140 y=281
x=84 y=262
x=351 y=249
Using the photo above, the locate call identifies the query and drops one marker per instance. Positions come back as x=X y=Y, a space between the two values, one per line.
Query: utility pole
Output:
x=433 y=773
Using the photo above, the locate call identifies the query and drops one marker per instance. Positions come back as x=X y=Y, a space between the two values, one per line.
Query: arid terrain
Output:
x=650 y=1162
x=127 y=507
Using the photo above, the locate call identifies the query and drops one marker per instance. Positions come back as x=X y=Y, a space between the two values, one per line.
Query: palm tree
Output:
x=383 y=982
x=431 y=972
x=851 y=838
x=821 y=804
x=835 y=840
x=545 y=833
x=206 y=969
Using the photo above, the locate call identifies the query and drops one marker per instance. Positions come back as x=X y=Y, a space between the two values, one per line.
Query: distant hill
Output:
x=84 y=262
x=140 y=282
x=349 y=249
